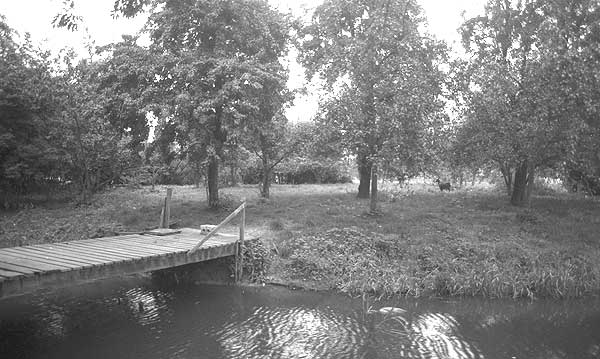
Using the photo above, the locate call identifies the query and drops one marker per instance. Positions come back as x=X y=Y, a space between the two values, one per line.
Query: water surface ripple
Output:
x=133 y=318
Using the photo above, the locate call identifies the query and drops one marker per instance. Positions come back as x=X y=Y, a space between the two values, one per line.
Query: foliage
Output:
x=95 y=152
x=306 y=153
x=217 y=81
x=316 y=142
x=67 y=17
x=301 y=170
x=268 y=139
x=256 y=261
x=581 y=171
x=529 y=89
x=386 y=74
x=220 y=69
x=65 y=121
x=27 y=105
x=126 y=80
x=317 y=156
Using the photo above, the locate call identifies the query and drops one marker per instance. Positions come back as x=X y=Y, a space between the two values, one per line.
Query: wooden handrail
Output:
x=241 y=208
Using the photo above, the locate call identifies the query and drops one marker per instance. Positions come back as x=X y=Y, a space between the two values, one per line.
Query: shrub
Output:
x=301 y=171
x=256 y=261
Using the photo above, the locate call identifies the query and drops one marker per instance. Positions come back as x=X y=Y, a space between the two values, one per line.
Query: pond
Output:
x=136 y=318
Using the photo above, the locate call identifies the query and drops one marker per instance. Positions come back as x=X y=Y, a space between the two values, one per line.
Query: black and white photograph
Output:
x=299 y=179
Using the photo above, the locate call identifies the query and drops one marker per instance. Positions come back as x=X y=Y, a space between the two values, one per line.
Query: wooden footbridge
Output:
x=28 y=268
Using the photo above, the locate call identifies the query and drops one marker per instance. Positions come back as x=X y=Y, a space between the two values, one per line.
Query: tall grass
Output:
x=468 y=242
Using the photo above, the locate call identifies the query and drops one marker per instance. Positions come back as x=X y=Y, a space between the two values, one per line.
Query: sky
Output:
x=35 y=17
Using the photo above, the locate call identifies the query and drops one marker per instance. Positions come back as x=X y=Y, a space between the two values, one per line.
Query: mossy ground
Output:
x=467 y=242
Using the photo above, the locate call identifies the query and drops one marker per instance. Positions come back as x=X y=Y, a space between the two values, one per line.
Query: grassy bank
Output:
x=463 y=243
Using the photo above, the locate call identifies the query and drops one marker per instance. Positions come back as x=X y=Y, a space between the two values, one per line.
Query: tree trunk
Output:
x=213 y=182
x=266 y=178
x=85 y=185
x=219 y=136
x=520 y=192
x=530 y=179
x=153 y=178
x=233 y=173
x=508 y=178
x=197 y=174
x=367 y=107
x=373 y=205
x=364 y=172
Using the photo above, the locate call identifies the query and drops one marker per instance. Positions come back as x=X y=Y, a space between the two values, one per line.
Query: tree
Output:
x=215 y=56
x=28 y=104
x=526 y=87
x=270 y=143
x=126 y=81
x=63 y=122
x=265 y=131
x=318 y=156
x=576 y=34
x=95 y=152
x=386 y=74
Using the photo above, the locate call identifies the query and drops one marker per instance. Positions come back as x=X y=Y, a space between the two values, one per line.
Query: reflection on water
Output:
x=134 y=319
x=293 y=333
x=427 y=335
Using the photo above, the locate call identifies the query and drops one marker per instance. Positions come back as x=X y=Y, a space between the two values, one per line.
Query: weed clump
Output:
x=256 y=261
x=355 y=262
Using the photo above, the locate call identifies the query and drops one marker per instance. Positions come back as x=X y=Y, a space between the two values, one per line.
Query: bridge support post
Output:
x=240 y=250
x=165 y=213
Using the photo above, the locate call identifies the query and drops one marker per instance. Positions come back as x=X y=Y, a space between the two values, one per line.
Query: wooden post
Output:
x=168 y=207
x=165 y=215
x=237 y=262
x=162 y=216
x=241 y=242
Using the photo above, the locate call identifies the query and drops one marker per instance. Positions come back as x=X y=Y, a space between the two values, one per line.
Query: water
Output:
x=132 y=318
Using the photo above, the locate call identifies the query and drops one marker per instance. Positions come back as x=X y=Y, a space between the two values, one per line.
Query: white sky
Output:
x=35 y=17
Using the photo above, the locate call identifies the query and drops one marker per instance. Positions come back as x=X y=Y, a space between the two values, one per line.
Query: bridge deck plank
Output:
x=28 y=268
x=49 y=259
x=45 y=253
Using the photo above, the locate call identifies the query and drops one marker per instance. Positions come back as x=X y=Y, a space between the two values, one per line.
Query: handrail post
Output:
x=165 y=214
x=241 y=241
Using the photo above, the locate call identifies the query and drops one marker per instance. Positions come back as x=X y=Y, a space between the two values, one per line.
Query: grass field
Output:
x=468 y=242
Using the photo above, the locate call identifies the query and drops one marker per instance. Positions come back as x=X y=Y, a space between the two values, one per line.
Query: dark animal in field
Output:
x=443 y=185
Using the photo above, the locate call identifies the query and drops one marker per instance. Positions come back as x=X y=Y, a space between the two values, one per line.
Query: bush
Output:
x=256 y=261
x=252 y=174
x=581 y=181
x=301 y=171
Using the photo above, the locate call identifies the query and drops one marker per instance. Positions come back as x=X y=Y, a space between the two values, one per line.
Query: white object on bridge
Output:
x=205 y=228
